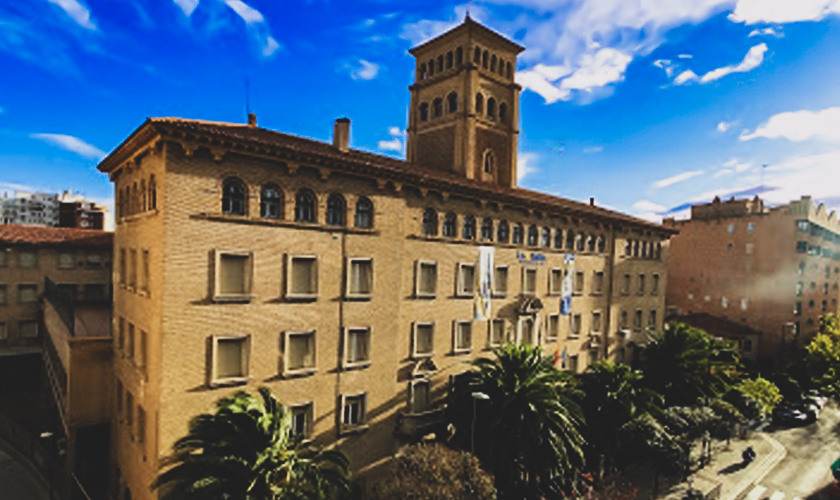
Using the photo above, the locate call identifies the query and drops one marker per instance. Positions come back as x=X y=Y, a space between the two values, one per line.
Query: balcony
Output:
x=416 y=425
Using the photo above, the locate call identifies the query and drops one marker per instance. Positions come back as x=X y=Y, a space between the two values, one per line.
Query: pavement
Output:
x=16 y=480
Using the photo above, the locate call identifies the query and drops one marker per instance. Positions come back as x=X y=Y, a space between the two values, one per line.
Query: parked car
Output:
x=795 y=413
x=816 y=397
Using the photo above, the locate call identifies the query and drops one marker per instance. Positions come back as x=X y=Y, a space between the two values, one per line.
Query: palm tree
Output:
x=246 y=451
x=530 y=429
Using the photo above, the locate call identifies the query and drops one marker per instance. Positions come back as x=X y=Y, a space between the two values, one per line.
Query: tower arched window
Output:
x=579 y=242
x=449 y=222
x=127 y=201
x=558 y=238
x=440 y=63
x=485 y=59
x=271 y=202
x=431 y=67
x=509 y=70
x=546 y=237
x=430 y=222
x=517 y=234
x=135 y=199
x=503 y=113
x=479 y=103
x=119 y=204
x=503 y=233
x=144 y=196
x=233 y=197
x=570 y=240
x=488 y=162
x=477 y=55
x=600 y=244
x=424 y=111
x=487 y=229
x=452 y=102
x=152 y=193
x=590 y=243
x=450 y=59
x=437 y=107
x=468 y=232
x=336 y=210
x=459 y=56
x=501 y=66
x=658 y=256
x=491 y=108
x=364 y=213
x=305 y=206
x=493 y=63
x=421 y=73
x=532 y=235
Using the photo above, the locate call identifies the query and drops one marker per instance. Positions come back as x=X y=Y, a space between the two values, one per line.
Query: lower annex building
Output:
x=344 y=281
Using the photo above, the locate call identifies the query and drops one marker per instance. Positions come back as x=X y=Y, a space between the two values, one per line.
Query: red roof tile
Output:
x=35 y=235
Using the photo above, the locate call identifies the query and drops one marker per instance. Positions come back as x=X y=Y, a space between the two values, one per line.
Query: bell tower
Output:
x=464 y=115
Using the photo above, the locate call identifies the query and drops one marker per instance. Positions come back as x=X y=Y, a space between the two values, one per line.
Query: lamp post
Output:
x=476 y=396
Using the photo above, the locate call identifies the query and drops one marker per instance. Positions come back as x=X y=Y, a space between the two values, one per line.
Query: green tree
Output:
x=246 y=451
x=434 y=472
x=764 y=393
x=529 y=429
x=645 y=439
x=822 y=356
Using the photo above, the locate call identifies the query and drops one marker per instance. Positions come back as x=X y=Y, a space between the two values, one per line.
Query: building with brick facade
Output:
x=775 y=270
x=345 y=281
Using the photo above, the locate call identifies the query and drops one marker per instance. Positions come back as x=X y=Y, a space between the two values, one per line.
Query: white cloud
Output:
x=187 y=6
x=753 y=59
x=686 y=77
x=794 y=177
x=395 y=143
x=536 y=81
x=685 y=56
x=769 y=31
x=271 y=46
x=800 y=126
x=592 y=150
x=525 y=165
x=783 y=11
x=648 y=206
x=598 y=70
x=72 y=144
x=670 y=181
x=394 y=131
x=666 y=65
x=365 y=70
x=256 y=23
x=248 y=14
x=723 y=127
x=425 y=29
x=77 y=12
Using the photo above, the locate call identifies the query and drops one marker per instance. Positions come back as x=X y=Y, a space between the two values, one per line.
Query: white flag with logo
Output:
x=484 y=283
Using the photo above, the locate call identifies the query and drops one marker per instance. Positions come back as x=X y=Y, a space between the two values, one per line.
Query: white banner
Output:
x=484 y=283
x=568 y=285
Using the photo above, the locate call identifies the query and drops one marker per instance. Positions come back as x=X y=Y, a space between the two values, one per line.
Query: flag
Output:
x=484 y=283
x=566 y=296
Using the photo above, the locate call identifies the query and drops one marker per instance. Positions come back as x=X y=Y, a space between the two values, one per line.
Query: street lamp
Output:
x=476 y=396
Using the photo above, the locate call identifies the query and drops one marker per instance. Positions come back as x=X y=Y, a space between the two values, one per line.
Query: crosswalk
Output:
x=761 y=493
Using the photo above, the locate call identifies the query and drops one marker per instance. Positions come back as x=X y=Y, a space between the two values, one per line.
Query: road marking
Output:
x=779 y=495
x=755 y=493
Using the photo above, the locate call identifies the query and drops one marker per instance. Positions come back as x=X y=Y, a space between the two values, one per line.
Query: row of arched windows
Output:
x=491 y=108
x=235 y=202
x=491 y=63
x=515 y=233
x=643 y=249
x=437 y=107
x=482 y=58
x=137 y=198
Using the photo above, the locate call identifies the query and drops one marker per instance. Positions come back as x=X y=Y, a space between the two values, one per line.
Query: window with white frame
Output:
x=233 y=275
x=66 y=261
x=420 y=395
x=496 y=332
x=578 y=282
x=576 y=324
x=28 y=259
x=357 y=346
x=353 y=410
x=27 y=294
x=299 y=355
x=654 y=287
x=637 y=320
x=555 y=282
x=466 y=280
x=596 y=322
x=423 y=340
x=529 y=281
x=462 y=336
x=302 y=277
x=359 y=278
x=231 y=359
x=553 y=327
x=302 y=418
x=425 y=278
x=528 y=330
x=724 y=302
x=28 y=329
x=598 y=282
x=500 y=281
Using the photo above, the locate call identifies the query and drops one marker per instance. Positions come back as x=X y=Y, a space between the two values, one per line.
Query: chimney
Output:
x=591 y=202
x=341 y=134
x=252 y=119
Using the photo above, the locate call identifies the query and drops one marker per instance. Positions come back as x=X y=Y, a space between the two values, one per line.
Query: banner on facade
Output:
x=568 y=284
x=484 y=283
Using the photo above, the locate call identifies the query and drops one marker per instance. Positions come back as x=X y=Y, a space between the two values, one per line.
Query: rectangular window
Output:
x=555 y=282
x=353 y=412
x=121 y=334
x=300 y=352
x=28 y=259
x=596 y=322
x=724 y=302
x=749 y=248
x=129 y=412
x=652 y=319
x=423 y=340
x=231 y=359
x=500 y=281
x=119 y=396
x=496 y=333
x=302 y=280
x=553 y=330
x=751 y=227
x=598 y=283
x=420 y=396
x=94 y=261
x=302 y=418
x=579 y=282
x=803 y=226
x=573 y=364
x=131 y=342
x=637 y=320
x=123 y=268
x=730 y=228
x=625 y=285
x=360 y=278
x=529 y=281
x=799 y=289
x=641 y=289
x=3 y=298
x=27 y=294
x=132 y=269
x=466 y=280
x=576 y=325
x=654 y=286
x=745 y=303
x=144 y=350
x=146 y=272
x=66 y=261
x=357 y=352
x=233 y=275
x=801 y=246
x=425 y=279
x=141 y=425
x=462 y=336
x=622 y=320
x=28 y=329
x=527 y=331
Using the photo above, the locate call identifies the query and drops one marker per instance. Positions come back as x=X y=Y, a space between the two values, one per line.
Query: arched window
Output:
x=558 y=238
x=135 y=199
x=485 y=59
x=336 y=210
x=449 y=60
x=305 y=206
x=493 y=63
x=469 y=227
x=449 y=222
x=501 y=66
x=517 y=234
x=144 y=196
x=503 y=232
x=532 y=235
x=579 y=242
x=118 y=205
x=601 y=244
x=364 y=213
x=233 y=197
x=152 y=193
x=590 y=243
x=570 y=240
x=546 y=237
x=477 y=55
x=503 y=113
x=271 y=202
x=440 y=63
x=636 y=248
x=437 y=107
x=452 y=102
x=459 y=56
x=509 y=71
x=424 y=111
x=487 y=229
x=479 y=103
x=431 y=67
x=659 y=256
x=491 y=108
x=644 y=249
x=127 y=201
x=488 y=162
x=430 y=222
x=421 y=73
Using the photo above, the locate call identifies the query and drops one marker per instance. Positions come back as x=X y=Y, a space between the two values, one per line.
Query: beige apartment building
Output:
x=345 y=281
x=775 y=270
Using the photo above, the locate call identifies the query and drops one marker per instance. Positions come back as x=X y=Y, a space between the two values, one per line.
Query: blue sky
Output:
x=645 y=106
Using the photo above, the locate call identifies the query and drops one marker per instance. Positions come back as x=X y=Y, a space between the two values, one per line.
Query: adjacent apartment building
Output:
x=345 y=281
x=775 y=270
x=51 y=210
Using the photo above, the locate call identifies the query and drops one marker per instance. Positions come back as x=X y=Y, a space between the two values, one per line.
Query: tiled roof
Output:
x=369 y=164
x=63 y=236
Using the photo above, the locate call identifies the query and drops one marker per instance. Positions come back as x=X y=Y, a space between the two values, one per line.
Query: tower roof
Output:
x=473 y=29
